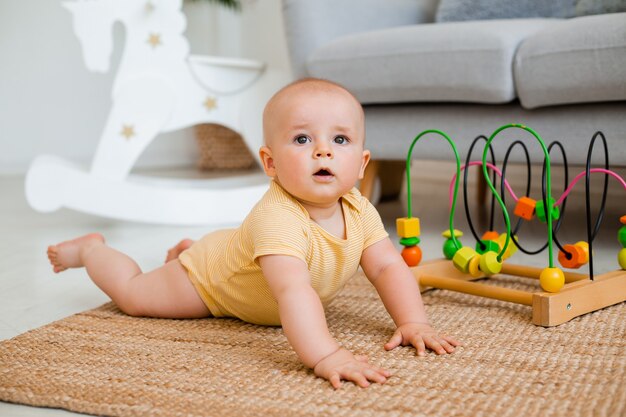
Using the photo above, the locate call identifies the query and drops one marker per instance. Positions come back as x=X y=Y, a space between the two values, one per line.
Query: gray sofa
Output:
x=563 y=76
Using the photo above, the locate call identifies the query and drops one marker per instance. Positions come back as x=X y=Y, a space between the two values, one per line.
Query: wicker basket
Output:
x=222 y=148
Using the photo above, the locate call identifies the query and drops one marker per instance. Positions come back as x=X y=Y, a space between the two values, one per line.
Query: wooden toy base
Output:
x=578 y=296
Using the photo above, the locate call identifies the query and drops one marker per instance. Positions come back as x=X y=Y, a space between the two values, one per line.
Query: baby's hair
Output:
x=317 y=84
x=320 y=84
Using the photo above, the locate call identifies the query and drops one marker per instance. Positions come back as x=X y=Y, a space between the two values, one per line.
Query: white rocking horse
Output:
x=158 y=88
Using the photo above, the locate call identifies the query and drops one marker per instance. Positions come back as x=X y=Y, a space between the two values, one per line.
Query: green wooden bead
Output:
x=487 y=246
x=410 y=241
x=621 y=236
x=449 y=248
x=541 y=212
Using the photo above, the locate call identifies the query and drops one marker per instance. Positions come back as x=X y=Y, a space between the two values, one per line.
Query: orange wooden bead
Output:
x=490 y=235
x=622 y=219
x=525 y=208
x=412 y=255
x=585 y=247
x=576 y=258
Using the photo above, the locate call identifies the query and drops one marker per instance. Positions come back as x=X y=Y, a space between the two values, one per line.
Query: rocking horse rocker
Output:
x=158 y=88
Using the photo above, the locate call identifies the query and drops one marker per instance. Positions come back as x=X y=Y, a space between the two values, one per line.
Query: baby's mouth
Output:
x=324 y=173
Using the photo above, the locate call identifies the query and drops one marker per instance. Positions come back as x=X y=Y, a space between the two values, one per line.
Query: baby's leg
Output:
x=164 y=292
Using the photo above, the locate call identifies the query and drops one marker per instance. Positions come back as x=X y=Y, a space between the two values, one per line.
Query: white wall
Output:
x=50 y=103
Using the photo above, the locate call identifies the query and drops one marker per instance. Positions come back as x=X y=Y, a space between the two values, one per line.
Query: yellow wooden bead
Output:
x=511 y=249
x=552 y=279
x=462 y=258
x=473 y=267
x=489 y=263
x=585 y=247
x=621 y=258
x=446 y=233
x=408 y=227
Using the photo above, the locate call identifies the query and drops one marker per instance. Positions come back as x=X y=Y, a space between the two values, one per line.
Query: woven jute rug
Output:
x=104 y=362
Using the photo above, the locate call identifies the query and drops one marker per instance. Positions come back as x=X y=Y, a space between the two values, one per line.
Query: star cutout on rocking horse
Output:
x=210 y=103
x=155 y=40
x=128 y=131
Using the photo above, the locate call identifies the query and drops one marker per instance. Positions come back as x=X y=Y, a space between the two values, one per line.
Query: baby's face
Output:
x=315 y=144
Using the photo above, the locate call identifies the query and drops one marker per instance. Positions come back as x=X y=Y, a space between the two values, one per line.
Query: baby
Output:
x=292 y=254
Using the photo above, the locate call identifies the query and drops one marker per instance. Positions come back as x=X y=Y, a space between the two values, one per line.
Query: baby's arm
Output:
x=304 y=323
x=401 y=296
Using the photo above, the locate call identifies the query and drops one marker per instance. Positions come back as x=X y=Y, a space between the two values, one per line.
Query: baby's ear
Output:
x=265 y=154
x=364 y=162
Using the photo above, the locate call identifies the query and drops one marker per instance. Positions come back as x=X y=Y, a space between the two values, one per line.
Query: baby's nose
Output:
x=323 y=154
x=323 y=151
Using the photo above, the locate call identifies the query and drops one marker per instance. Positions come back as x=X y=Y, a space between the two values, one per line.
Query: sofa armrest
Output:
x=311 y=23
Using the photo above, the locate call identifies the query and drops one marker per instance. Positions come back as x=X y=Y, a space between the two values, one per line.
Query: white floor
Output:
x=31 y=295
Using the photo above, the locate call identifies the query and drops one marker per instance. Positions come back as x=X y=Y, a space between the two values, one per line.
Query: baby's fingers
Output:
x=377 y=375
x=452 y=341
x=335 y=380
x=359 y=378
x=362 y=377
x=419 y=345
x=395 y=340
x=439 y=345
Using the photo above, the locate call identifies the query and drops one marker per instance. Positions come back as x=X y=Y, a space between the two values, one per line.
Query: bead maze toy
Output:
x=563 y=295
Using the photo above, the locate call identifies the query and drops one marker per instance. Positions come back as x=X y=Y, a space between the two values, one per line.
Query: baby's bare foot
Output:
x=66 y=254
x=178 y=249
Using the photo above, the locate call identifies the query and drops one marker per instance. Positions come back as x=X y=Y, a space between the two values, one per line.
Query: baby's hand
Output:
x=421 y=336
x=344 y=365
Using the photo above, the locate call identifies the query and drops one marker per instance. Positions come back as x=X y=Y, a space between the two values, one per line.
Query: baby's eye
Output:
x=302 y=139
x=341 y=140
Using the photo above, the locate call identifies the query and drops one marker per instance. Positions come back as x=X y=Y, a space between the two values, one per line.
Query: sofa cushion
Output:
x=458 y=61
x=579 y=60
x=309 y=24
x=461 y=10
